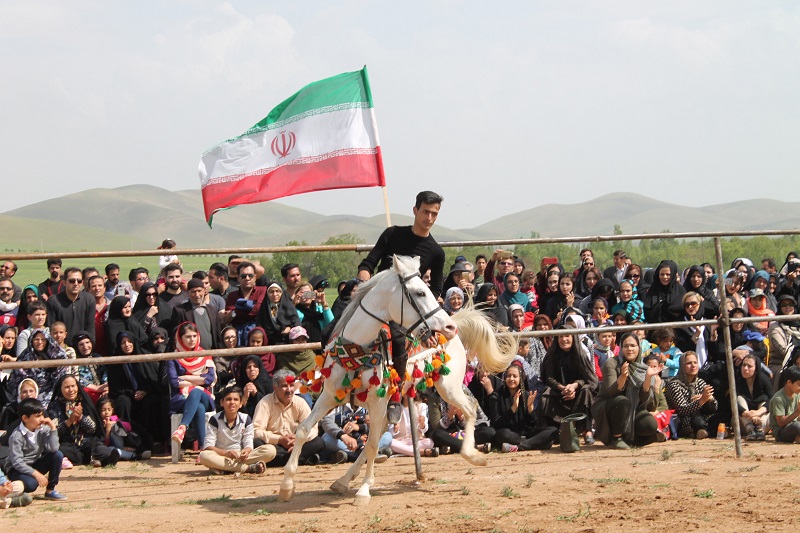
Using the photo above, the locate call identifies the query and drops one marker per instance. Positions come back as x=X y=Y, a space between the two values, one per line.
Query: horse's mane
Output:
x=351 y=308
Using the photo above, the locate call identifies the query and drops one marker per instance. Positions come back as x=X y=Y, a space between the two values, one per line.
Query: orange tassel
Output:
x=340 y=394
x=355 y=383
x=436 y=363
x=319 y=361
x=303 y=389
x=429 y=382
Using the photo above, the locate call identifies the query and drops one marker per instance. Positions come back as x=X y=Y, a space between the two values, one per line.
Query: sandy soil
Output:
x=675 y=486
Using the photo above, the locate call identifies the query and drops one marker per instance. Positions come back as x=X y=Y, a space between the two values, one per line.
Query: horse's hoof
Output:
x=285 y=495
x=339 y=487
x=362 y=500
x=477 y=459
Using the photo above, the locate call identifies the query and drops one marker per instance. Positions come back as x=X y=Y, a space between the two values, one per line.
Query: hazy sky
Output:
x=498 y=106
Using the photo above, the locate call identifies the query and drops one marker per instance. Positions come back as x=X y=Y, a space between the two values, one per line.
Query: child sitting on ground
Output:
x=228 y=446
x=119 y=434
x=33 y=451
x=784 y=408
x=12 y=493
x=669 y=353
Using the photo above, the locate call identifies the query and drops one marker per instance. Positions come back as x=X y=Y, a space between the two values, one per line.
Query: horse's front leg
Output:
x=324 y=404
x=377 y=413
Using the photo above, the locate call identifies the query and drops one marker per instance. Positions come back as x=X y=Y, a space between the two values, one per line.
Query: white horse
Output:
x=401 y=296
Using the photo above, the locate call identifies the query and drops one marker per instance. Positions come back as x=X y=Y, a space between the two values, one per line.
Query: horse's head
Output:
x=417 y=309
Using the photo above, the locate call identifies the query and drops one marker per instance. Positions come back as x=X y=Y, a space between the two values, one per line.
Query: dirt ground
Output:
x=676 y=486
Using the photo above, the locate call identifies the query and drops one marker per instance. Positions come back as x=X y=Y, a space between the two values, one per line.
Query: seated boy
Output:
x=229 y=439
x=784 y=408
x=12 y=493
x=33 y=451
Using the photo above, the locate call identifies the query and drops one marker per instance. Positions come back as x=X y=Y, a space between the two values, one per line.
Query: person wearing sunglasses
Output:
x=243 y=304
x=73 y=306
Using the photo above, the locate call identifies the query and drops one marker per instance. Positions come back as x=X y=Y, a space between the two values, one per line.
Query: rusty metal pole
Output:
x=725 y=323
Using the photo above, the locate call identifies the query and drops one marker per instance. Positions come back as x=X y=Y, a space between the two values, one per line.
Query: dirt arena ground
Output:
x=676 y=486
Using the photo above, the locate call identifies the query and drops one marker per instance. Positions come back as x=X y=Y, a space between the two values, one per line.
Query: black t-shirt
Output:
x=400 y=240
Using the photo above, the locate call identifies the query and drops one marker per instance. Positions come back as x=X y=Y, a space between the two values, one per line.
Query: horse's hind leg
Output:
x=324 y=404
x=450 y=390
x=377 y=414
x=343 y=483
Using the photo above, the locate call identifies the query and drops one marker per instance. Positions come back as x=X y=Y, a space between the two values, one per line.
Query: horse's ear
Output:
x=396 y=264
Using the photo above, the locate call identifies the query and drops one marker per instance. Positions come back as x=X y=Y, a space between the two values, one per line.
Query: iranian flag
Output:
x=322 y=137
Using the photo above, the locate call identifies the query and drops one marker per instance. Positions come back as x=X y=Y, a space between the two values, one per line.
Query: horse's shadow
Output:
x=319 y=500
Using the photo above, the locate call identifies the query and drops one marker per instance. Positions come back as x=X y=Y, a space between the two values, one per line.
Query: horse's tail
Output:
x=477 y=332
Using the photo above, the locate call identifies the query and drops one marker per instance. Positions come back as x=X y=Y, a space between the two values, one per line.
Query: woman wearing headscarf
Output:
x=585 y=281
x=145 y=311
x=80 y=430
x=761 y=280
x=512 y=294
x=41 y=347
x=604 y=288
x=691 y=398
x=692 y=337
x=784 y=337
x=696 y=282
x=277 y=315
x=92 y=378
x=663 y=300
x=30 y=293
x=753 y=392
x=135 y=387
x=453 y=300
x=570 y=381
x=629 y=302
x=120 y=318
x=254 y=381
x=623 y=410
x=487 y=301
x=733 y=290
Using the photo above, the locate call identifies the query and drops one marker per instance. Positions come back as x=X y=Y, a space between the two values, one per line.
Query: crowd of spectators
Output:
x=631 y=389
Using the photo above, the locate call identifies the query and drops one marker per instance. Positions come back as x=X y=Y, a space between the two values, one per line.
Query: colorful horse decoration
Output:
x=353 y=365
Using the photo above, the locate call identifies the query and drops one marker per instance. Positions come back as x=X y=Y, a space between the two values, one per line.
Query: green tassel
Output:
x=381 y=392
x=421 y=386
x=346 y=381
x=386 y=373
x=428 y=368
x=443 y=370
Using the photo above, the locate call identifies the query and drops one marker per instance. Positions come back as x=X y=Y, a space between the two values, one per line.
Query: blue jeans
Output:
x=330 y=442
x=48 y=463
x=197 y=404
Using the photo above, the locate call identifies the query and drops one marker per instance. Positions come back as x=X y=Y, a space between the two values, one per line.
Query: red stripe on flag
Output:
x=342 y=172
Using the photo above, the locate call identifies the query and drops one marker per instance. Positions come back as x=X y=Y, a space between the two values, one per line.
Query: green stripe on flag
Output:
x=345 y=91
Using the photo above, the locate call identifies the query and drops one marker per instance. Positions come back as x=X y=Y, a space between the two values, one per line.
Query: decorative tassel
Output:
x=396 y=398
x=444 y=370
x=319 y=361
x=340 y=394
x=411 y=392
x=407 y=376
x=417 y=373
x=428 y=368
x=386 y=373
x=326 y=372
x=435 y=376
x=316 y=386
x=445 y=357
x=303 y=389
x=421 y=386
x=381 y=392
x=442 y=340
x=346 y=381
x=429 y=382
x=375 y=380
x=356 y=383
x=394 y=374
x=362 y=396
x=436 y=363
x=310 y=375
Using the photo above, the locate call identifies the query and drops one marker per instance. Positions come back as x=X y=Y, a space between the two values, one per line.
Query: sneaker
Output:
x=751 y=436
x=760 y=435
x=485 y=448
x=618 y=444
x=588 y=439
x=339 y=457
x=145 y=455
x=312 y=460
x=381 y=458
x=701 y=434
x=179 y=434
x=95 y=463
x=257 y=468
x=66 y=464
x=394 y=412
x=509 y=448
x=54 y=495
x=431 y=452
x=444 y=450
x=21 y=500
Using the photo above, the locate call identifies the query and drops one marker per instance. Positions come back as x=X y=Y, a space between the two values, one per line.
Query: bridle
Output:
x=425 y=331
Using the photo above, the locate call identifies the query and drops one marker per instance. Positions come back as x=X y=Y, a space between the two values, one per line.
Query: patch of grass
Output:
x=581 y=513
x=659 y=486
x=666 y=455
x=610 y=480
x=696 y=471
x=529 y=481
x=464 y=491
x=442 y=481
x=257 y=512
x=508 y=492
x=374 y=519
x=463 y=516
x=704 y=494
x=56 y=508
x=219 y=499
x=788 y=469
x=746 y=468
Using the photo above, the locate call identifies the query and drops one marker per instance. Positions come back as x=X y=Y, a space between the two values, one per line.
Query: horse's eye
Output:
x=421 y=294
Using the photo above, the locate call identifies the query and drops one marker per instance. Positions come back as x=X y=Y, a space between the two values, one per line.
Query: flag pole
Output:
x=386 y=207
